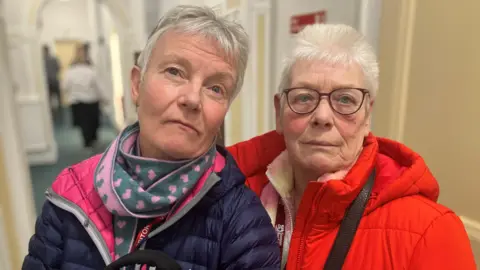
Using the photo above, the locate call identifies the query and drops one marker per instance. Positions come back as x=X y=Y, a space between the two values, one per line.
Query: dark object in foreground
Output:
x=151 y=258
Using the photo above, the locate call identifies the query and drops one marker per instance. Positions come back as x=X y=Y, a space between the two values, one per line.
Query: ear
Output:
x=277 y=100
x=135 y=81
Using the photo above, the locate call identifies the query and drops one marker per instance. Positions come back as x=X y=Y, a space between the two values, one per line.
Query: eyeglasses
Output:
x=346 y=101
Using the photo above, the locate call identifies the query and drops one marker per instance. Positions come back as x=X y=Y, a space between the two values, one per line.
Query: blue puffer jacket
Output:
x=225 y=228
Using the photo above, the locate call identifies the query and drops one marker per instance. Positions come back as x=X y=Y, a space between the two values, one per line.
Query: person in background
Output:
x=82 y=87
x=332 y=161
x=163 y=184
x=86 y=48
x=52 y=68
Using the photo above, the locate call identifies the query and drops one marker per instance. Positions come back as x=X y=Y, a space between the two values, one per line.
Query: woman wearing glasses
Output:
x=335 y=176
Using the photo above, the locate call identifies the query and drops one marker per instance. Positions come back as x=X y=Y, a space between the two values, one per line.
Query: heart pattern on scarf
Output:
x=133 y=187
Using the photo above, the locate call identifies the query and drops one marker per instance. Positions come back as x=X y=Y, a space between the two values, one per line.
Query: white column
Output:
x=368 y=13
x=138 y=25
x=17 y=171
x=26 y=69
x=368 y=23
x=102 y=61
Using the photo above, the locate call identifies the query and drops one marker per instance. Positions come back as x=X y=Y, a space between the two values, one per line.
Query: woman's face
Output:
x=323 y=141
x=184 y=96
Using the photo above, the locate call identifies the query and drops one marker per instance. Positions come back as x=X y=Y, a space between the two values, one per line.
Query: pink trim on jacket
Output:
x=75 y=184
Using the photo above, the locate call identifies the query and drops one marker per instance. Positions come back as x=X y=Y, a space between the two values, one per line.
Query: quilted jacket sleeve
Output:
x=45 y=249
x=444 y=245
x=249 y=240
x=255 y=154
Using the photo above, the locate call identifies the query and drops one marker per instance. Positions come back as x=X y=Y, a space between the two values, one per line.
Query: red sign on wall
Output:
x=298 y=22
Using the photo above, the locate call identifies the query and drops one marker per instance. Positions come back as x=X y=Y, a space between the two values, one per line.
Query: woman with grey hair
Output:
x=338 y=196
x=163 y=185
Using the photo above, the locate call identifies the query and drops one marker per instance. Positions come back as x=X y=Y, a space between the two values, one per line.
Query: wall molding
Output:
x=37 y=138
x=263 y=7
x=28 y=99
x=402 y=67
x=368 y=20
x=249 y=100
x=236 y=14
x=48 y=157
x=30 y=96
x=247 y=13
x=36 y=148
x=251 y=113
x=472 y=227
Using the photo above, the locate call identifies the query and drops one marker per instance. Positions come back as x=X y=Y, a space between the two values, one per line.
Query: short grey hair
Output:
x=334 y=44
x=197 y=20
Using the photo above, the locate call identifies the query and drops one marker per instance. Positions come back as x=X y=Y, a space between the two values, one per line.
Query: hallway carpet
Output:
x=70 y=151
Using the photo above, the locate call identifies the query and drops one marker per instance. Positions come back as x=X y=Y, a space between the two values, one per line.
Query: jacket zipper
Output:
x=288 y=212
x=302 y=238
x=89 y=226
x=286 y=248
x=300 y=250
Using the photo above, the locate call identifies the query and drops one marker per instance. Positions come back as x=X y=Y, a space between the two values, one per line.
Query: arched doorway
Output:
x=111 y=54
x=112 y=49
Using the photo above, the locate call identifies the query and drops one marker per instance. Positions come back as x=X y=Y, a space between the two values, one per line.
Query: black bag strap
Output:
x=145 y=257
x=349 y=226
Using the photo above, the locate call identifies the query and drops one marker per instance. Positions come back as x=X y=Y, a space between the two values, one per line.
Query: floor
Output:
x=70 y=151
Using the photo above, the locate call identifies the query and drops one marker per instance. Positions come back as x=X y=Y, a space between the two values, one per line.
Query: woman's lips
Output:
x=184 y=125
x=321 y=143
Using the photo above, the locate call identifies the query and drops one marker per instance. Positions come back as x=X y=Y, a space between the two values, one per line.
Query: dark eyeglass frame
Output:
x=328 y=95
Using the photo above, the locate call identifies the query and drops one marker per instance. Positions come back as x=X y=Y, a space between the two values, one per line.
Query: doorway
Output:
x=75 y=29
x=65 y=52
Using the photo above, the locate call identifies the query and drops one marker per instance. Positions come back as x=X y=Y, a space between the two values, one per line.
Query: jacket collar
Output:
x=400 y=172
x=329 y=198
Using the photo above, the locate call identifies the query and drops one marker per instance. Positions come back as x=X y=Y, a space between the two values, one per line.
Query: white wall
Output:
x=369 y=20
x=17 y=177
x=152 y=10
x=338 y=11
x=24 y=53
x=66 y=20
x=166 y=5
x=136 y=11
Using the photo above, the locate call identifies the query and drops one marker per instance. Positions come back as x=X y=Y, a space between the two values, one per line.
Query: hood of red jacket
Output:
x=400 y=172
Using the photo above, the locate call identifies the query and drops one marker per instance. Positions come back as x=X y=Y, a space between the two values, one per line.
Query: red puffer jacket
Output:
x=403 y=227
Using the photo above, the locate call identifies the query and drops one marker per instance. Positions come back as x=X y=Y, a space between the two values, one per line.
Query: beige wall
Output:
x=235 y=128
x=430 y=92
x=8 y=217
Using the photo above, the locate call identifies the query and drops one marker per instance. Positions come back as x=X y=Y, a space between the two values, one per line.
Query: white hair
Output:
x=334 y=44
x=197 y=20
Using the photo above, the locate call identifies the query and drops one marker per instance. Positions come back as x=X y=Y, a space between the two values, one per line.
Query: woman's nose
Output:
x=190 y=97
x=323 y=114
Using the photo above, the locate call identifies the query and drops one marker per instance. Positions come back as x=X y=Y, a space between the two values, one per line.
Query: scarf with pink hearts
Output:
x=132 y=187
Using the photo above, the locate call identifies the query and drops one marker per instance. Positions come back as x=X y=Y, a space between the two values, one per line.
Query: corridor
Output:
x=424 y=95
x=70 y=151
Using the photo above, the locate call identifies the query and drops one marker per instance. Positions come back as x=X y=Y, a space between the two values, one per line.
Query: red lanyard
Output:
x=145 y=231
x=280 y=225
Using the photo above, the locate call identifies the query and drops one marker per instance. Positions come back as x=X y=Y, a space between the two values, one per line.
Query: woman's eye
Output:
x=345 y=100
x=216 y=89
x=303 y=98
x=173 y=71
